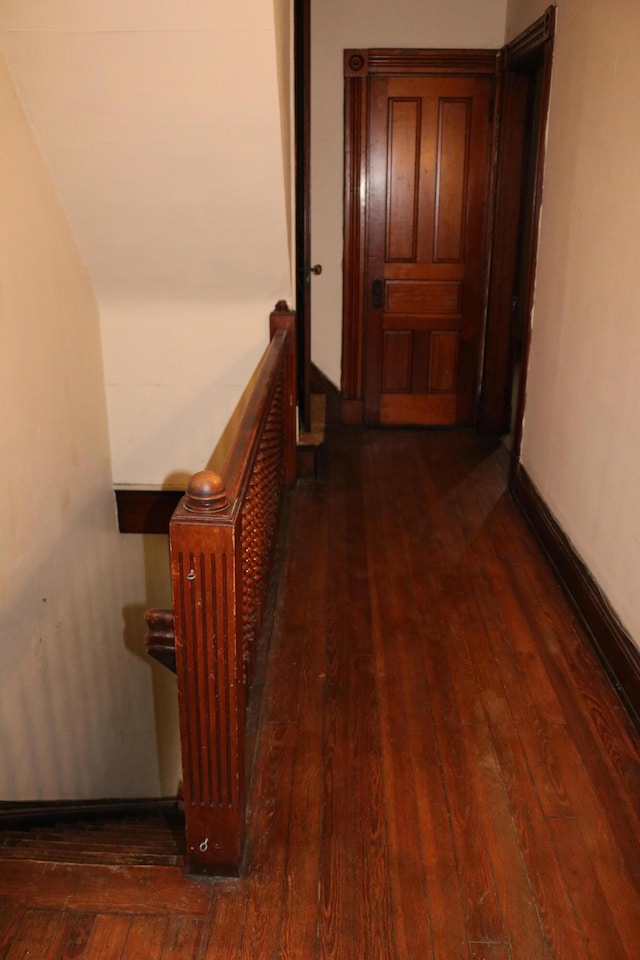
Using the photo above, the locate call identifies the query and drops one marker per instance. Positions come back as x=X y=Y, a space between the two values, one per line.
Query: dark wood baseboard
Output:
x=64 y=811
x=613 y=644
x=146 y=511
x=320 y=383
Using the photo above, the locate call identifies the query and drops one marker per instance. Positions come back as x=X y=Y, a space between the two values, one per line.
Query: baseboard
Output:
x=44 y=813
x=146 y=511
x=320 y=383
x=613 y=644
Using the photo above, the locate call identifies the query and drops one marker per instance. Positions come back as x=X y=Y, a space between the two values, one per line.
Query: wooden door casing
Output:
x=424 y=239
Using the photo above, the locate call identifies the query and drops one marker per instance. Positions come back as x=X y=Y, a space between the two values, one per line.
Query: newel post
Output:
x=208 y=640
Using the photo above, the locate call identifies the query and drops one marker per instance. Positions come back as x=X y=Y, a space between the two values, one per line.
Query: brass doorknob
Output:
x=317 y=269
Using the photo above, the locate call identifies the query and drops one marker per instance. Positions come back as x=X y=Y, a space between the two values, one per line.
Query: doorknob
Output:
x=317 y=269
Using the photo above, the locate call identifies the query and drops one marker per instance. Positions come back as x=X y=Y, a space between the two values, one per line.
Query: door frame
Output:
x=302 y=115
x=503 y=208
x=531 y=51
x=359 y=66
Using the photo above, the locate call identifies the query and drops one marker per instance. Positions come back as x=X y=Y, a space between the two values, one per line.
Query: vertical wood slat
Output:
x=221 y=539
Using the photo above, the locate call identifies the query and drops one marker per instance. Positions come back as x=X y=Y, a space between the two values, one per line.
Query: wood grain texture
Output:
x=146 y=511
x=616 y=648
x=516 y=201
x=441 y=770
x=222 y=541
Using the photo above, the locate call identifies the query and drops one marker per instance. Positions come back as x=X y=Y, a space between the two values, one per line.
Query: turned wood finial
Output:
x=206 y=493
x=282 y=307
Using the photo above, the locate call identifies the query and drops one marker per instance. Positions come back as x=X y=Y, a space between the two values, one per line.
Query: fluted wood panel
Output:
x=222 y=537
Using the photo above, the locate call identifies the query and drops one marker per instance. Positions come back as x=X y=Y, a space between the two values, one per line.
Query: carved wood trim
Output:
x=613 y=644
x=360 y=63
x=222 y=537
x=530 y=41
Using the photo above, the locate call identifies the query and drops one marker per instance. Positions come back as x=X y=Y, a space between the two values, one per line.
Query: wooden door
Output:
x=424 y=285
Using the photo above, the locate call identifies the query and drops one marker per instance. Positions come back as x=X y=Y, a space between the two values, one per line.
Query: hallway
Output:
x=442 y=770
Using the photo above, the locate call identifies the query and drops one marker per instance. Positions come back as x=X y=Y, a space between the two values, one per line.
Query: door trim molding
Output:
x=533 y=46
x=400 y=62
x=302 y=217
x=530 y=41
x=359 y=65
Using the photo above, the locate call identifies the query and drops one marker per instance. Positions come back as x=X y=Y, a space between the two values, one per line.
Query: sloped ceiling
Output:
x=148 y=117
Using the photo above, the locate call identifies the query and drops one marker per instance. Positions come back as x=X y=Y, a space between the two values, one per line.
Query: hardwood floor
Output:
x=442 y=769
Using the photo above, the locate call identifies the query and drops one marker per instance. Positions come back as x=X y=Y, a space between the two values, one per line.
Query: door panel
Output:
x=427 y=176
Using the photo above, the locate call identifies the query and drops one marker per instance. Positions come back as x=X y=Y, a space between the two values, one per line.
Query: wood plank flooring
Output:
x=442 y=769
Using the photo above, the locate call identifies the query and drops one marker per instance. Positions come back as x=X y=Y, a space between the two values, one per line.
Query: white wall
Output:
x=581 y=442
x=76 y=693
x=522 y=13
x=161 y=124
x=341 y=24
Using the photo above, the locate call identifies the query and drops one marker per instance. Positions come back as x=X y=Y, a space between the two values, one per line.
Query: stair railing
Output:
x=221 y=541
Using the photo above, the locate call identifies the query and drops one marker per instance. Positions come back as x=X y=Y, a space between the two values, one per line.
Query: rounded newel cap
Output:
x=205 y=493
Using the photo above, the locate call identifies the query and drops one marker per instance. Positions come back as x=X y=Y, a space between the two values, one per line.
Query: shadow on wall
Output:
x=75 y=709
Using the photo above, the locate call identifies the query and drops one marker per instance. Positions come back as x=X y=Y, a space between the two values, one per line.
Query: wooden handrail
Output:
x=221 y=540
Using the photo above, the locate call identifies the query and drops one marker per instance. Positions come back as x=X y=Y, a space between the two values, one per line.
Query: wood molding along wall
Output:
x=613 y=644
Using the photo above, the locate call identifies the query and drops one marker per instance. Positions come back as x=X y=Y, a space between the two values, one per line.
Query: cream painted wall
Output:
x=522 y=13
x=283 y=11
x=581 y=442
x=161 y=124
x=337 y=25
x=77 y=694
